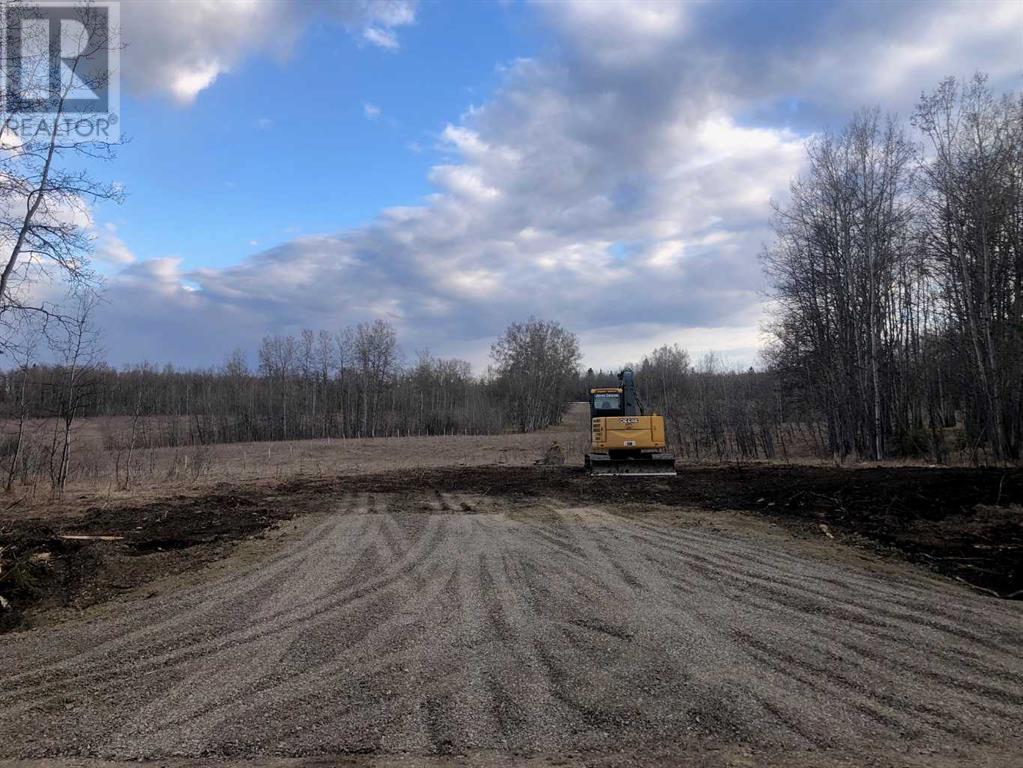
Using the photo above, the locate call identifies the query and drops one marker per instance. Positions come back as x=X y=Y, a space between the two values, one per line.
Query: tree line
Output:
x=898 y=280
x=353 y=383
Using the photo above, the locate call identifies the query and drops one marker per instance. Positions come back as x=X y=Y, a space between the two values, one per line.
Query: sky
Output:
x=452 y=167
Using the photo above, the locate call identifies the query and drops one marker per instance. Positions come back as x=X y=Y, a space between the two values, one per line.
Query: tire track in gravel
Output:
x=186 y=645
x=725 y=564
x=280 y=684
x=730 y=565
x=431 y=625
x=781 y=642
x=188 y=603
x=102 y=643
x=360 y=599
x=906 y=596
x=768 y=596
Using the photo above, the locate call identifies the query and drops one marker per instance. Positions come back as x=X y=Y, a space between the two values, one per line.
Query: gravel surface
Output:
x=442 y=623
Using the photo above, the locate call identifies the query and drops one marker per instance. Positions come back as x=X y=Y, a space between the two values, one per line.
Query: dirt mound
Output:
x=83 y=560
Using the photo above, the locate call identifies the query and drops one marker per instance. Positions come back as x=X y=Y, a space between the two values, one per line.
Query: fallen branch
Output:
x=983 y=589
x=953 y=559
x=13 y=504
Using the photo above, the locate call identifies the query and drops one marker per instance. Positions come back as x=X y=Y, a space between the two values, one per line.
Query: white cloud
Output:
x=110 y=249
x=380 y=37
x=836 y=57
x=621 y=32
x=181 y=48
x=370 y=111
x=956 y=38
x=615 y=346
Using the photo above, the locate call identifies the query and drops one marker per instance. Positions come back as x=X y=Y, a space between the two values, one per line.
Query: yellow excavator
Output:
x=623 y=441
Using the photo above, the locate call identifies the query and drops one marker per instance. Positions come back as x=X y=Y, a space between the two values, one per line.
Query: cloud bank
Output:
x=620 y=184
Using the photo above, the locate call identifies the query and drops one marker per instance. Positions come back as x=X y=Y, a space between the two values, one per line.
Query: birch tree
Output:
x=973 y=233
x=46 y=190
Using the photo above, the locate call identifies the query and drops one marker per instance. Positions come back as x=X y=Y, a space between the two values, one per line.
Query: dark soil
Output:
x=964 y=523
x=40 y=569
x=37 y=565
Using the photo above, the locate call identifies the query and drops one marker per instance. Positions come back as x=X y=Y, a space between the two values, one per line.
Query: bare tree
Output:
x=24 y=355
x=375 y=351
x=278 y=362
x=841 y=251
x=664 y=375
x=898 y=277
x=537 y=365
x=79 y=352
x=972 y=232
x=45 y=185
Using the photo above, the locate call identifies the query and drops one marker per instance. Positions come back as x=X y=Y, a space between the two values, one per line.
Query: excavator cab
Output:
x=624 y=441
x=606 y=402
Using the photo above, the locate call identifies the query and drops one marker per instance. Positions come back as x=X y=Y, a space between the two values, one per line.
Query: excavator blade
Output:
x=649 y=464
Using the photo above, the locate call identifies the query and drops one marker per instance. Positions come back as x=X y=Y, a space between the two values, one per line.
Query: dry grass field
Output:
x=99 y=470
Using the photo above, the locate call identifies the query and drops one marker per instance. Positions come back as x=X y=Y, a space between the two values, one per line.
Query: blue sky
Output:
x=453 y=167
x=235 y=171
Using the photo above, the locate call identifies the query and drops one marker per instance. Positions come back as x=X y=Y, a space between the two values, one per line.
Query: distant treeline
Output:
x=348 y=384
x=352 y=383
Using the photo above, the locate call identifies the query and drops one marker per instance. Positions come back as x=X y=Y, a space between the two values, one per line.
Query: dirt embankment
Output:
x=964 y=523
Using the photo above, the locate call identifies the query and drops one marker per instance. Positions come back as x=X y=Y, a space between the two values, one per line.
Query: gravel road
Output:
x=442 y=623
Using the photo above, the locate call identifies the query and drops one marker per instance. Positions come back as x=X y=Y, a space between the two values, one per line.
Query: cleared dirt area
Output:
x=965 y=524
x=451 y=622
